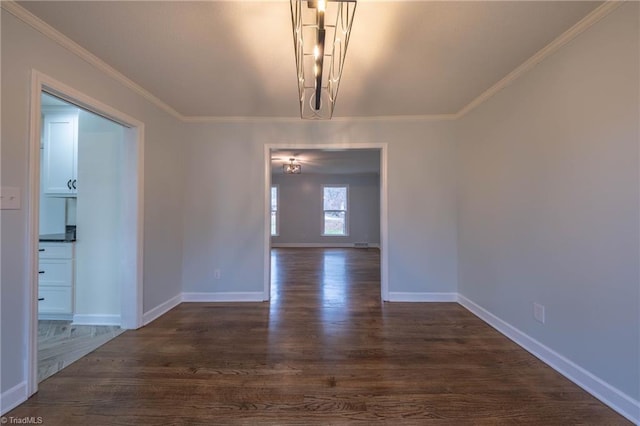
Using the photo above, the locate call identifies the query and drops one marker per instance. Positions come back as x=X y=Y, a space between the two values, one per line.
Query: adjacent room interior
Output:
x=455 y=237
x=324 y=211
x=80 y=218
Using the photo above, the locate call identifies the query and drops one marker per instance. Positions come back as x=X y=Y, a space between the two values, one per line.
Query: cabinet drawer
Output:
x=56 y=272
x=55 y=251
x=57 y=300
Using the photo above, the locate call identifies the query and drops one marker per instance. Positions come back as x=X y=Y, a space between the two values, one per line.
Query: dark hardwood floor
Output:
x=324 y=351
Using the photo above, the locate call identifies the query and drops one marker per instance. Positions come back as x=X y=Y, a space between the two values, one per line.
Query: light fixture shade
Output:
x=321 y=31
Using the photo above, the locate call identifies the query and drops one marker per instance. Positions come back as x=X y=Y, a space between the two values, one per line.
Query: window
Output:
x=334 y=201
x=274 y=210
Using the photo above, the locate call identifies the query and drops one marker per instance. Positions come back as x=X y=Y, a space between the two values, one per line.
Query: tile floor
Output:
x=61 y=343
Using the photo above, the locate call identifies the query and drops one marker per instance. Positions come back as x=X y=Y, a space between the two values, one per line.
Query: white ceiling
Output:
x=333 y=161
x=235 y=58
x=48 y=100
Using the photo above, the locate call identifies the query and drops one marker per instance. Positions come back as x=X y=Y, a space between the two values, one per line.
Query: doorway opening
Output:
x=325 y=197
x=85 y=224
x=79 y=233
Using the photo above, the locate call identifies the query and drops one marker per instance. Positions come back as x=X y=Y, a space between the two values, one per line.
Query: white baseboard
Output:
x=81 y=319
x=13 y=397
x=161 y=309
x=399 y=296
x=55 y=317
x=614 y=398
x=242 y=296
x=321 y=245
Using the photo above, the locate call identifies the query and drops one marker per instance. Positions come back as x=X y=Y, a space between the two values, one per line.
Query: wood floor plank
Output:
x=325 y=350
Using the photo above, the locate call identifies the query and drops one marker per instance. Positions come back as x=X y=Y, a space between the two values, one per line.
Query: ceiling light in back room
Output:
x=292 y=168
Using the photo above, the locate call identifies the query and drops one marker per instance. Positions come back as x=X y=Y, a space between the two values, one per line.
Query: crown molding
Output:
x=239 y=119
x=426 y=117
x=585 y=23
x=47 y=30
x=297 y=119
x=39 y=25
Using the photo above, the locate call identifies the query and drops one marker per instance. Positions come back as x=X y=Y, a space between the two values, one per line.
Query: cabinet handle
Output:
x=69 y=184
x=74 y=184
x=40 y=250
x=40 y=299
x=41 y=272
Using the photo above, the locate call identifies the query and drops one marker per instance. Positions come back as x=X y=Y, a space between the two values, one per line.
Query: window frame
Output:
x=277 y=210
x=346 y=210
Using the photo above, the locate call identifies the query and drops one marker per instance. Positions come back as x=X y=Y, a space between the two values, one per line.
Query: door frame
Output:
x=133 y=216
x=384 y=218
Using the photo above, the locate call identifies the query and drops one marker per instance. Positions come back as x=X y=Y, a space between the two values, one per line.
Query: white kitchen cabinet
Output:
x=60 y=152
x=56 y=279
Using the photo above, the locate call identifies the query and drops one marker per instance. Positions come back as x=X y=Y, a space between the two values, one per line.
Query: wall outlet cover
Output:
x=538 y=312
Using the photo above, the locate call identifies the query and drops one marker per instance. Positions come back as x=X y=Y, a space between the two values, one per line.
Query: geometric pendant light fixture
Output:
x=321 y=31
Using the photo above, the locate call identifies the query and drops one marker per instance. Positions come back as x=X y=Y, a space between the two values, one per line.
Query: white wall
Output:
x=224 y=210
x=548 y=202
x=98 y=216
x=23 y=49
x=300 y=208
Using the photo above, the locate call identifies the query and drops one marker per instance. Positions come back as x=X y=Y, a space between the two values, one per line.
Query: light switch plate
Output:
x=10 y=198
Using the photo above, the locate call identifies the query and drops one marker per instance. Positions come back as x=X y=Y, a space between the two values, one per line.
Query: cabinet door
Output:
x=60 y=131
x=56 y=278
x=55 y=300
x=56 y=272
x=55 y=251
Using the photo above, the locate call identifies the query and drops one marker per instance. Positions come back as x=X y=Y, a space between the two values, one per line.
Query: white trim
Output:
x=132 y=276
x=585 y=23
x=13 y=397
x=297 y=119
x=384 y=226
x=161 y=309
x=33 y=243
x=614 y=398
x=47 y=30
x=322 y=245
x=400 y=296
x=55 y=317
x=133 y=230
x=266 y=242
x=240 y=296
x=277 y=210
x=91 y=319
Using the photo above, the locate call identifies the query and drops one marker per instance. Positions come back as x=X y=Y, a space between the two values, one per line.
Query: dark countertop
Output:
x=67 y=237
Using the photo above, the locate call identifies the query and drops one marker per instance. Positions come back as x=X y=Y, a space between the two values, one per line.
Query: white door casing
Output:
x=133 y=215
x=384 y=240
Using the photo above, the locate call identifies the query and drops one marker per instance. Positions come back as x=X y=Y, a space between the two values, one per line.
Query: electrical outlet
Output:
x=216 y=274
x=538 y=312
